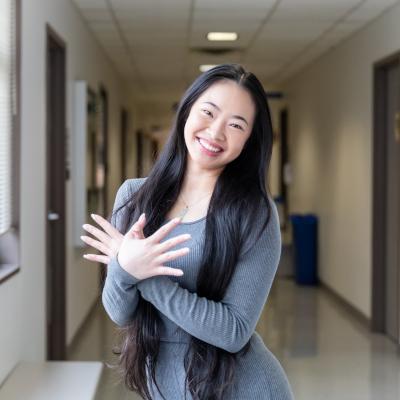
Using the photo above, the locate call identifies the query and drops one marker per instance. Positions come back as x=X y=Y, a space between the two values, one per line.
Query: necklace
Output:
x=187 y=206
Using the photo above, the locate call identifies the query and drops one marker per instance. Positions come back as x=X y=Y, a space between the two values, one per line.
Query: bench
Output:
x=47 y=380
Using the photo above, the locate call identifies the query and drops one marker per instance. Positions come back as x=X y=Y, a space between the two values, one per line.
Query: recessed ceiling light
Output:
x=206 y=67
x=224 y=36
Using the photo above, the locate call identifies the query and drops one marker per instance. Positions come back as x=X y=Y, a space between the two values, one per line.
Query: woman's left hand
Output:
x=109 y=240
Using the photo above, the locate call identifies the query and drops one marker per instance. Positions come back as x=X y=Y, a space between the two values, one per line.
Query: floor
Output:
x=327 y=353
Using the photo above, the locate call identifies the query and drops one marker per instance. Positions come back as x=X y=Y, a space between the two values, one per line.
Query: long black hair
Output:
x=239 y=192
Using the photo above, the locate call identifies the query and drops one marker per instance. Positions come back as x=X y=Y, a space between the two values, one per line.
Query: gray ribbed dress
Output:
x=228 y=324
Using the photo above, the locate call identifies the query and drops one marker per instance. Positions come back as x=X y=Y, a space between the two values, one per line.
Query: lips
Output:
x=212 y=145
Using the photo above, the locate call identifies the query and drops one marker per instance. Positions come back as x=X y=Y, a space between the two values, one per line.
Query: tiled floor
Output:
x=326 y=353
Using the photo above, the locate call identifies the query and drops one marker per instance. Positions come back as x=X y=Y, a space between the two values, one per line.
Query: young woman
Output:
x=192 y=251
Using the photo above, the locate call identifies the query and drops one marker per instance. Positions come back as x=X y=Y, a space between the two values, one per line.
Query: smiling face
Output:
x=219 y=124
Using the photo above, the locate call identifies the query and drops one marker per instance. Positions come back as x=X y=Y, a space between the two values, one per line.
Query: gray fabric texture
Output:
x=228 y=324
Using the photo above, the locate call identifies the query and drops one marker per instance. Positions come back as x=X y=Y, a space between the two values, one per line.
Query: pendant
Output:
x=183 y=212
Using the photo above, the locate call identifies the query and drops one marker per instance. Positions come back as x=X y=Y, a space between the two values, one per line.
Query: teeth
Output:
x=209 y=147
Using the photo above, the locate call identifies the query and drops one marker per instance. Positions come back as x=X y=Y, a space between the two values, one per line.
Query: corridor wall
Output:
x=22 y=297
x=331 y=127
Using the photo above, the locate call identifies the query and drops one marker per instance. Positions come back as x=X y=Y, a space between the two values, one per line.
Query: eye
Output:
x=209 y=113
x=237 y=126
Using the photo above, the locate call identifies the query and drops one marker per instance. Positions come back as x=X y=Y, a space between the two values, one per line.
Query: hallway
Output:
x=328 y=353
x=89 y=95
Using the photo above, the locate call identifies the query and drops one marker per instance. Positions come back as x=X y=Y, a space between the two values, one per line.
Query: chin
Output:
x=203 y=164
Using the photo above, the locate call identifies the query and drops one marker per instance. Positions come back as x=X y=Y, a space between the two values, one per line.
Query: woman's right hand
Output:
x=145 y=257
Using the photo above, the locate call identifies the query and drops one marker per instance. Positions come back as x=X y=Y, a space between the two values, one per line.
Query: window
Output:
x=8 y=137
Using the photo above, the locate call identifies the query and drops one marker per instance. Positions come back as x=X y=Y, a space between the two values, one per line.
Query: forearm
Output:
x=228 y=323
x=120 y=295
x=213 y=322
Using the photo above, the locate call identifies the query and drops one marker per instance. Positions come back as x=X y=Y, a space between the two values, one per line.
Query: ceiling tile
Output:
x=96 y=14
x=95 y=4
x=225 y=25
x=150 y=33
x=140 y=4
x=370 y=9
x=277 y=54
x=149 y=17
x=341 y=31
x=235 y=4
x=152 y=41
x=103 y=26
x=307 y=30
x=223 y=14
x=313 y=9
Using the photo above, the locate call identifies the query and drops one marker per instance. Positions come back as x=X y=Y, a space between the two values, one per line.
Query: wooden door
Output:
x=55 y=196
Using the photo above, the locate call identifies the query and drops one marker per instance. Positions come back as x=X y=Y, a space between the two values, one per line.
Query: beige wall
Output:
x=330 y=105
x=22 y=297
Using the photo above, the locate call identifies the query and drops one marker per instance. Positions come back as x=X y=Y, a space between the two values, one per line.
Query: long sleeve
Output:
x=227 y=324
x=120 y=295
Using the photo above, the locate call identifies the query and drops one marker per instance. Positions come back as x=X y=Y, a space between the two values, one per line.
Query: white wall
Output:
x=22 y=297
x=330 y=111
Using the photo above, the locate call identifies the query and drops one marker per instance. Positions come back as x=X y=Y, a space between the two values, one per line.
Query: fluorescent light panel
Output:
x=222 y=36
x=206 y=67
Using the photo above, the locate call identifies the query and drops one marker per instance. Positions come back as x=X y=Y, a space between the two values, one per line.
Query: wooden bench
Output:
x=55 y=380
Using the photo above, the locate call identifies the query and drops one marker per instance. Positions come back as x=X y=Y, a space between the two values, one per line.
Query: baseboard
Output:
x=349 y=308
x=82 y=327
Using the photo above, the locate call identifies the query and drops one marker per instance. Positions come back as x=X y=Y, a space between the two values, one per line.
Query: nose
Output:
x=216 y=131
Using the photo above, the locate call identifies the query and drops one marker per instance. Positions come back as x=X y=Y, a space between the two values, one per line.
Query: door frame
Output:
x=379 y=187
x=284 y=158
x=104 y=106
x=103 y=98
x=154 y=150
x=139 y=152
x=124 y=126
x=55 y=191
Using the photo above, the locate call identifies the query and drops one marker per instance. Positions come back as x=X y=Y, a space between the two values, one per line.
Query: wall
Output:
x=330 y=108
x=22 y=297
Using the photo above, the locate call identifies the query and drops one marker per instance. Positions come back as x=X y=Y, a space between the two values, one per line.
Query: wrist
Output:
x=117 y=258
x=124 y=269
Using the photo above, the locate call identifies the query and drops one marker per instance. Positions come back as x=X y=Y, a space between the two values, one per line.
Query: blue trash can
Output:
x=305 y=244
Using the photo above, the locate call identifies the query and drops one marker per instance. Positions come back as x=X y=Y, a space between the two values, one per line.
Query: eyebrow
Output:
x=234 y=116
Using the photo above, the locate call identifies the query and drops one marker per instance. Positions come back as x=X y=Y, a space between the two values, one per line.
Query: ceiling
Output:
x=154 y=44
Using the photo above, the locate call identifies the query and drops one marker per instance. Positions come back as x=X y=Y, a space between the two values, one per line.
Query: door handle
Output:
x=52 y=216
x=397 y=127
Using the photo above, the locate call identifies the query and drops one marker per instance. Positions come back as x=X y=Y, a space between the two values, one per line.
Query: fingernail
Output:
x=85 y=256
x=94 y=216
